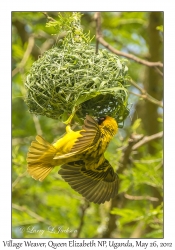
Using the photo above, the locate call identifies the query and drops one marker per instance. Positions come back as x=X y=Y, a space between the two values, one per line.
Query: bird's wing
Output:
x=90 y=134
x=96 y=186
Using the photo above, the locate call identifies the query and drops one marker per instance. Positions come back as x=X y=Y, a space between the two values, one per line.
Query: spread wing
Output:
x=90 y=134
x=96 y=186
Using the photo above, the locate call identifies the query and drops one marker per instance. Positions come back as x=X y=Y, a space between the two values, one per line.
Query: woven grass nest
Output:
x=73 y=79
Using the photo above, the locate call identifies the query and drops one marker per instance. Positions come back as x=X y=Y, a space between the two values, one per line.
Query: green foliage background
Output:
x=52 y=205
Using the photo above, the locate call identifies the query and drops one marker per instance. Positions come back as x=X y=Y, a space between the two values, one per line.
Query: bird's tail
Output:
x=96 y=186
x=39 y=158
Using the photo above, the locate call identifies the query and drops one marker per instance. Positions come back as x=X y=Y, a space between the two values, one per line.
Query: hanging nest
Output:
x=71 y=79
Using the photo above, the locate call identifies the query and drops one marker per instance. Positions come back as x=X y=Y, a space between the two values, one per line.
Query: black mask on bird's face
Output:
x=100 y=120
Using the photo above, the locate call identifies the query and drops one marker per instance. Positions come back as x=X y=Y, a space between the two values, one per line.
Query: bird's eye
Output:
x=100 y=120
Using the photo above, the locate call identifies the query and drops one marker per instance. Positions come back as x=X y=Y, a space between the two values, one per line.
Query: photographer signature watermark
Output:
x=53 y=230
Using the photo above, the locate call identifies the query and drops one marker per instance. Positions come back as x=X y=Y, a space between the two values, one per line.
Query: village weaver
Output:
x=81 y=157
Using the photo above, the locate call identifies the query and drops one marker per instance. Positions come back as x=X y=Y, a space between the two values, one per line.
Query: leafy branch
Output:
x=120 y=53
x=31 y=42
x=147 y=139
x=18 y=178
x=31 y=213
x=134 y=142
x=138 y=198
x=69 y=23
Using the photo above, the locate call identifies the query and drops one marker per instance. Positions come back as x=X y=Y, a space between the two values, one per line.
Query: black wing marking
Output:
x=90 y=135
x=95 y=186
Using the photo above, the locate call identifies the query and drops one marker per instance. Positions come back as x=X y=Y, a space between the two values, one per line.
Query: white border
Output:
x=5 y=95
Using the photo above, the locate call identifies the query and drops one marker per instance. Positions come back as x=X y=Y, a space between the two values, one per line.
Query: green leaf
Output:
x=136 y=125
x=160 y=28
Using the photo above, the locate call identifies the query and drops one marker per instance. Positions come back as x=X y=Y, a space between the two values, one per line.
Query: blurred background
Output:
x=51 y=209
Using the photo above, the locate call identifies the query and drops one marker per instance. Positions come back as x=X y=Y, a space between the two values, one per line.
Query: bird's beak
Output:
x=100 y=120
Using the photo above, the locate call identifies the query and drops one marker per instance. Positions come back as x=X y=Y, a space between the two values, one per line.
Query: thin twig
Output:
x=159 y=165
x=27 y=53
x=143 y=91
x=139 y=95
x=147 y=161
x=125 y=158
x=48 y=17
x=18 y=179
x=131 y=52
x=138 y=231
x=139 y=198
x=84 y=207
x=37 y=125
x=31 y=213
x=26 y=140
x=97 y=18
x=145 y=95
x=129 y=56
x=158 y=71
x=148 y=98
x=147 y=139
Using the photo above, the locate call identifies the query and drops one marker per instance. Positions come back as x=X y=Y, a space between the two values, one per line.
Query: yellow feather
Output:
x=86 y=146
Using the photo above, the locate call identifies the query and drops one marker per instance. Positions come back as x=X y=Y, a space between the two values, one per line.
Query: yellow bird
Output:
x=81 y=154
